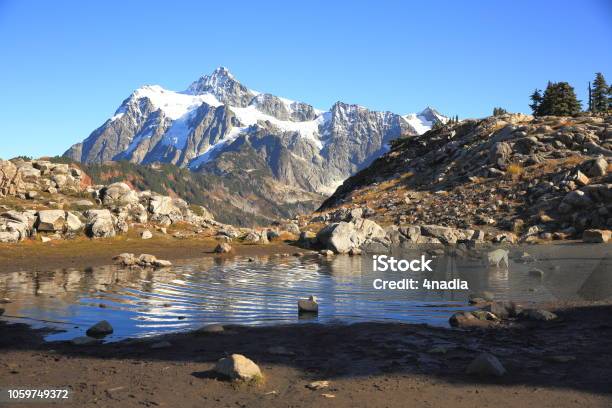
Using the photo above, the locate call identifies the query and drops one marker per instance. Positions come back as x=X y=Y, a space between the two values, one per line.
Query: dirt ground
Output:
x=565 y=363
x=84 y=252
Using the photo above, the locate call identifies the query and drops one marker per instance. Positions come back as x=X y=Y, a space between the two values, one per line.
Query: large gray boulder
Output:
x=341 y=237
x=51 y=220
x=100 y=224
x=118 y=194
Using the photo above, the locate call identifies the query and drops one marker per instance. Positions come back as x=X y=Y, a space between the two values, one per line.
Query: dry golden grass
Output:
x=515 y=170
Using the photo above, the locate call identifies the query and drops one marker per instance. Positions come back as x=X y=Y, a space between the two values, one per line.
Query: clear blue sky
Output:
x=66 y=66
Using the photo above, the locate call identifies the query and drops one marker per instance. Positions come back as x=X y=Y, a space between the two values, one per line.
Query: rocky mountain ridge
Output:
x=216 y=116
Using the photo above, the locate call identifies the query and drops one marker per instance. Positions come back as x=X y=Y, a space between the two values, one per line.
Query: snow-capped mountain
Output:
x=216 y=115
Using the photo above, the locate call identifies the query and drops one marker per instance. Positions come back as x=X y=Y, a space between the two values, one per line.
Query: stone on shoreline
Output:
x=100 y=329
x=146 y=234
x=317 y=385
x=238 y=367
x=309 y=305
x=223 y=248
x=596 y=236
x=487 y=365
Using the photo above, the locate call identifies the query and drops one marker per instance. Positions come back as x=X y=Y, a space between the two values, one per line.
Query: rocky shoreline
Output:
x=561 y=362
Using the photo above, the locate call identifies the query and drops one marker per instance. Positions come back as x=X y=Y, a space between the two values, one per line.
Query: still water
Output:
x=265 y=291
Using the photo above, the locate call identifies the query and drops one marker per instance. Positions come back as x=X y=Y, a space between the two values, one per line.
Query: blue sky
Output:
x=66 y=66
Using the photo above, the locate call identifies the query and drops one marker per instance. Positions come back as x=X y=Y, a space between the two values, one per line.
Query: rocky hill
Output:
x=510 y=178
x=287 y=151
x=43 y=200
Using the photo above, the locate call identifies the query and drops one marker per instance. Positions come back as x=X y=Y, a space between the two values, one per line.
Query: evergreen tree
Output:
x=600 y=93
x=536 y=101
x=499 y=111
x=559 y=100
x=590 y=98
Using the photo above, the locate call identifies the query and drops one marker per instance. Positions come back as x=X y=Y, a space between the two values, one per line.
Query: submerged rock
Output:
x=537 y=314
x=238 y=367
x=84 y=341
x=100 y=329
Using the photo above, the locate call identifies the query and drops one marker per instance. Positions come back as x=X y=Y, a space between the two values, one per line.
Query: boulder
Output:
x=162 y=263
x=466 y=320
x=343 y=236
x=223 y=248
x=126 y=259
x=51 y=220
x=486 y=365
x=595 y=167
x=596 y=236
x=146 y=260
x=100 y=329
x=503 y=309
x=146 y=234
x=73 y=222
x=99 y=224
x=118 y=194
x=309 y=305
x=238 y=367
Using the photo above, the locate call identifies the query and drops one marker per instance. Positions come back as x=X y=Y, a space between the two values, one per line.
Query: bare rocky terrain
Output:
x=503 y=179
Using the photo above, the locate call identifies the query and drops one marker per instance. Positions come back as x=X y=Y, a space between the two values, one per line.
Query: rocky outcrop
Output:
x=507 y=179
x=343 y=236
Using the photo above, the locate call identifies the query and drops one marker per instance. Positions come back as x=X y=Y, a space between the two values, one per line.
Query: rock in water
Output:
x=223 y=248
x=146 y=234
x=309 y=305
x=100 y=329
x=486 y=364
x=238 y=367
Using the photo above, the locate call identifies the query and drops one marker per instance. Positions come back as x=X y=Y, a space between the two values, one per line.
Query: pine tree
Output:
x=559 y=99
x=536 y=101
x=600 y=93
x=499 y=111
x=590 y=98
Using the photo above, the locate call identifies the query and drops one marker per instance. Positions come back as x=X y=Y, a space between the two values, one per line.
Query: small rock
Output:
x=161 y=263
x=100 y=329
x=238 y=367
x=146 y=234
x=223 y=248
x=126 y=259
x=486 y=364
x=45 y=239
x=317 y=385
x=326 y=252
x=596 y=236
x=146 y=259
x=354 y=251
x=328 y=395
x=309 y=305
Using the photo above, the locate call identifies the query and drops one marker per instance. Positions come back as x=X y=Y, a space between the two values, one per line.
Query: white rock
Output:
x=146 y=234
x=238 y=367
